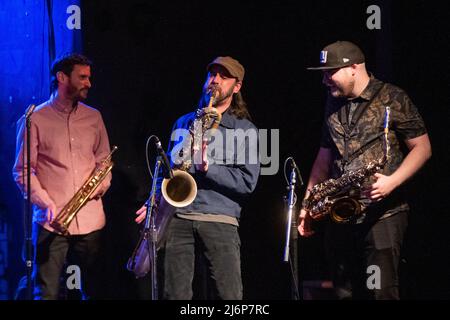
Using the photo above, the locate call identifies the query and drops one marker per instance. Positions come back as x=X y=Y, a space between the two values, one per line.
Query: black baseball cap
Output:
x=338 y=55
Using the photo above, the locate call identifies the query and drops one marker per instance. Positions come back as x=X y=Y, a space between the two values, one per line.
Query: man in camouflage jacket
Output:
x=364 y=254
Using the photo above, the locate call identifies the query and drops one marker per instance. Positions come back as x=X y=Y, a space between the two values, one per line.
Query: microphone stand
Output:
x=28 y=214
x=150 y=231
x=291 y=227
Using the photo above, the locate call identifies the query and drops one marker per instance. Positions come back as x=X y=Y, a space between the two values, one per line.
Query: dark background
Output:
x=150 y=59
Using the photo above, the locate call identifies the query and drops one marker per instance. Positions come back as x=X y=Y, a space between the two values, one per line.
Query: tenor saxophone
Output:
x=67 y=214
x=333 y=196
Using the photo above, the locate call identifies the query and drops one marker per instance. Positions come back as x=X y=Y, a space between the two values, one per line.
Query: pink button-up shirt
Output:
x=65 y=148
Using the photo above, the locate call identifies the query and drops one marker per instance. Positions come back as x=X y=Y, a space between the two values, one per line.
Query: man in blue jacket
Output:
x=226 y=170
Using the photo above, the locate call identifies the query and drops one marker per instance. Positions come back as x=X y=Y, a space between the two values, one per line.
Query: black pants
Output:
x=220 y=245
x=365 y=258
x=54 y=251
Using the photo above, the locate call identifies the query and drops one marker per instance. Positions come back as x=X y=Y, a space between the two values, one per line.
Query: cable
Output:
x=294 y=280
x=146 y=154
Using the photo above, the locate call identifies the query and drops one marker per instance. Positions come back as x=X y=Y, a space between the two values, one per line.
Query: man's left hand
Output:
x=98 y=193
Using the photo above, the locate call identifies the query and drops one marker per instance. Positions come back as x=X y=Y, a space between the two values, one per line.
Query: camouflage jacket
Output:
x=357 y=141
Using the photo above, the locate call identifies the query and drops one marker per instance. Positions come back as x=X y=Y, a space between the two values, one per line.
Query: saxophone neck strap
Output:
x=348 y=128
x=370 y=144
x=343 y=112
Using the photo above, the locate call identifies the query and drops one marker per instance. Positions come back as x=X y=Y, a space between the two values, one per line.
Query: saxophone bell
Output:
x=176 y=192
x=345 y=209
x=334 y=197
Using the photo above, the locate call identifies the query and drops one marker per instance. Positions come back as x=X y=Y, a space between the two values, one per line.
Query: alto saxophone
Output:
x=331 y=196
x=67 y=214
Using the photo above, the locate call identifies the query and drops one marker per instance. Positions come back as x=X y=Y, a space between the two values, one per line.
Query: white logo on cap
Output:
x=345 y=59
x=323 y=56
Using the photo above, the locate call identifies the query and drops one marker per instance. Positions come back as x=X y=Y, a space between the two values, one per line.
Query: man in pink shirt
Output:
x=68 y=141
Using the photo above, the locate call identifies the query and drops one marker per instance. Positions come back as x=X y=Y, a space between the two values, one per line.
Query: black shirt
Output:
x=354 y=145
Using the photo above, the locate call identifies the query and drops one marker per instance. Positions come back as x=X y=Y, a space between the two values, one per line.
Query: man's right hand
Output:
x=304 y=225
x=51 y=212
x=141 y=214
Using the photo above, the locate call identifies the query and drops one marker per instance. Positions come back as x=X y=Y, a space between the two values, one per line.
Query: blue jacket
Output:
x=233 y=168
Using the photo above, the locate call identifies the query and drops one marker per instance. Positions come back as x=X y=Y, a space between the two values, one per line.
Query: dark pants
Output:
x=54 y=252
x=220 y=245
x=365 y=257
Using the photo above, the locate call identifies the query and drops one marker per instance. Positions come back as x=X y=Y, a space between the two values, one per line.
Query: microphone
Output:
x=294 y=165
x=164 y=158
x=30 y=110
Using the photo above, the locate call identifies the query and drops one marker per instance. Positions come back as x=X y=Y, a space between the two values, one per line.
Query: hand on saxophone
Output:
x=382 y=187
x=304 y=224
x=142 y=212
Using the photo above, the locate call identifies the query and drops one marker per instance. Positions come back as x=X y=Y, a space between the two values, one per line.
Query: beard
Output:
x=82 y=94
x=77 y=94
x=341 y=90
x=335 y=91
